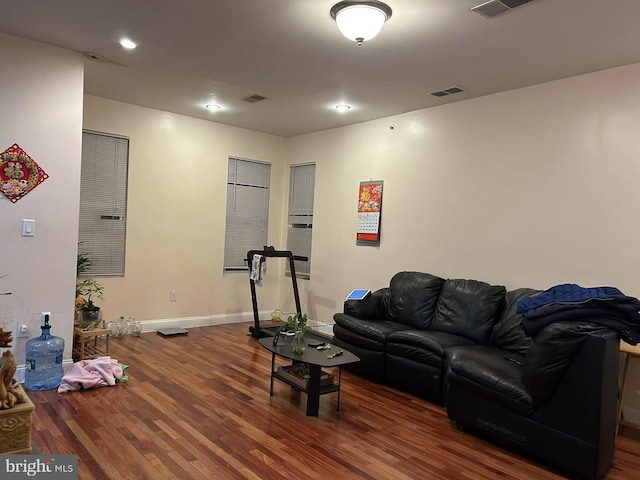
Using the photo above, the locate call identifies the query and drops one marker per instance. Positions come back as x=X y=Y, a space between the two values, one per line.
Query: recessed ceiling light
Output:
x=213 y=108
x=343 y=108
x=128 y=43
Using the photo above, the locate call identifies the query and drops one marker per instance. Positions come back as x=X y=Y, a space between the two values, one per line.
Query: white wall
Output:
x=530 y=187
x=176 y=213
x=41 y=103
x=527 y=188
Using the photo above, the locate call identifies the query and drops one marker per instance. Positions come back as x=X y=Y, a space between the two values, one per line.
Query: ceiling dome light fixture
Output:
x=213 y=108
x=343 y=108
x=360 y=20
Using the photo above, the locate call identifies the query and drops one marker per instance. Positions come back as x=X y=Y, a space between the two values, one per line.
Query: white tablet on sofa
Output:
x=358 y=294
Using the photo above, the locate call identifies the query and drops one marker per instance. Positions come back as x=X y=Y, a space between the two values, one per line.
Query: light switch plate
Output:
x=28 y=227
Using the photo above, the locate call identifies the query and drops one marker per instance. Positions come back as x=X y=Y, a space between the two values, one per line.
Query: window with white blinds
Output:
x=247 y=211
x=300 y=220
x=103 y=202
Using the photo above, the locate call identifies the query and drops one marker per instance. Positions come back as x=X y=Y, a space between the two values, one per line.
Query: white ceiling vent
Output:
x=96 y=57
x=495 y=7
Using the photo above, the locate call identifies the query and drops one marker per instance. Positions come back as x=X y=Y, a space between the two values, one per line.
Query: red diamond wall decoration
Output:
x=19 y=173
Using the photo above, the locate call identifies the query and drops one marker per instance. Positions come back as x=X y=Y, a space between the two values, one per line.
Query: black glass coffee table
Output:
x=314 y=359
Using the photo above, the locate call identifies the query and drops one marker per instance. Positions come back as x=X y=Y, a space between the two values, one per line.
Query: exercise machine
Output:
x=269 y=329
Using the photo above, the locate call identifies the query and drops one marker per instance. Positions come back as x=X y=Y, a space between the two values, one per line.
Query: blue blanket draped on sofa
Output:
x=601 y=305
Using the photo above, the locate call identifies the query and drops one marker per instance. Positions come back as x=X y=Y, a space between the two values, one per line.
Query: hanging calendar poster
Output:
x=369 y=211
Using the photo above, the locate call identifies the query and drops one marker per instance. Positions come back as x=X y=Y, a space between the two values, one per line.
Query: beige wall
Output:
x=41 y=103
x=530 y=187
x=176 y=212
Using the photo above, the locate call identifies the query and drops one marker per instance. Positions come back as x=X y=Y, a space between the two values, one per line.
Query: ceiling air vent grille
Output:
x=515 y=3
x=254 y=99
x=96 y=57
x=447 y=91
x=495 y=7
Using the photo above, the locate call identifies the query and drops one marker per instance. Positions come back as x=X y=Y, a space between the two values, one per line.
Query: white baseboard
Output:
x=322 y=328
x=631 y=414
x=193 y=322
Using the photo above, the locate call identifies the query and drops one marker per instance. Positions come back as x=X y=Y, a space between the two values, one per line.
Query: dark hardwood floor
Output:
x=198 y=407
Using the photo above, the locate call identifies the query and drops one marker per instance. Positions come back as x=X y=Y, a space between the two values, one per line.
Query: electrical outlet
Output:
x=22 y=330
x=173 y=296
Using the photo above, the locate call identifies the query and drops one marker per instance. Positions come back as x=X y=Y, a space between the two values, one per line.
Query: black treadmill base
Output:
x=265 y=331
x=270 y=331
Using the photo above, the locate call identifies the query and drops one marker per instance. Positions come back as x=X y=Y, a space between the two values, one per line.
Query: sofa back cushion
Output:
x=468 y=308
x=508 y=333
x=413 y=298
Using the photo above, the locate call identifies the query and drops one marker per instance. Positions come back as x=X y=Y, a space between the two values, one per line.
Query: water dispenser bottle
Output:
x=43 y=369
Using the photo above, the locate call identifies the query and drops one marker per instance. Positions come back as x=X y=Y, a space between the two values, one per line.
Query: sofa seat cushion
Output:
x=376 y=330
x=423 y=346
x=489 y=373
x=468 y=308
x=349 y=339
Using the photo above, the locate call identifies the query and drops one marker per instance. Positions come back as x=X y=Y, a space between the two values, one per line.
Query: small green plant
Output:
x=85 y=291
x=297 y=322
x=88 y=289
x=84 y=263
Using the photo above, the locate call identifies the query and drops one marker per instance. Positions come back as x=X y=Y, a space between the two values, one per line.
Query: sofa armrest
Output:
x=583 y=404
x=374 y=307
x=551 y=353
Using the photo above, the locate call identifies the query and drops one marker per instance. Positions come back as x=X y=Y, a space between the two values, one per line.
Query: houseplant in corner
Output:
x=87 y=290
x=298 y=324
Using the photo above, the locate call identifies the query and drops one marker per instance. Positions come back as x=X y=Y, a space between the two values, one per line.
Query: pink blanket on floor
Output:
x=99 y=372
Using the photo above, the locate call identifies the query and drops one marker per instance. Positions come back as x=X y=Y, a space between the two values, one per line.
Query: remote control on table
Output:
x=334 y=355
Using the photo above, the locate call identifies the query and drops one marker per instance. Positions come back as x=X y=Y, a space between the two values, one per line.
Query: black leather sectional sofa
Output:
x=460 y=343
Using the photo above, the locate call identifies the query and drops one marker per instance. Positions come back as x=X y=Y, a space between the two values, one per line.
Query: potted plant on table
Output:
x=298 y=324
x=88 y=312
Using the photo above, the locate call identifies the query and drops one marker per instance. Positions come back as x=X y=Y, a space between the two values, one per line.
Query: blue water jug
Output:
x=43 y=368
